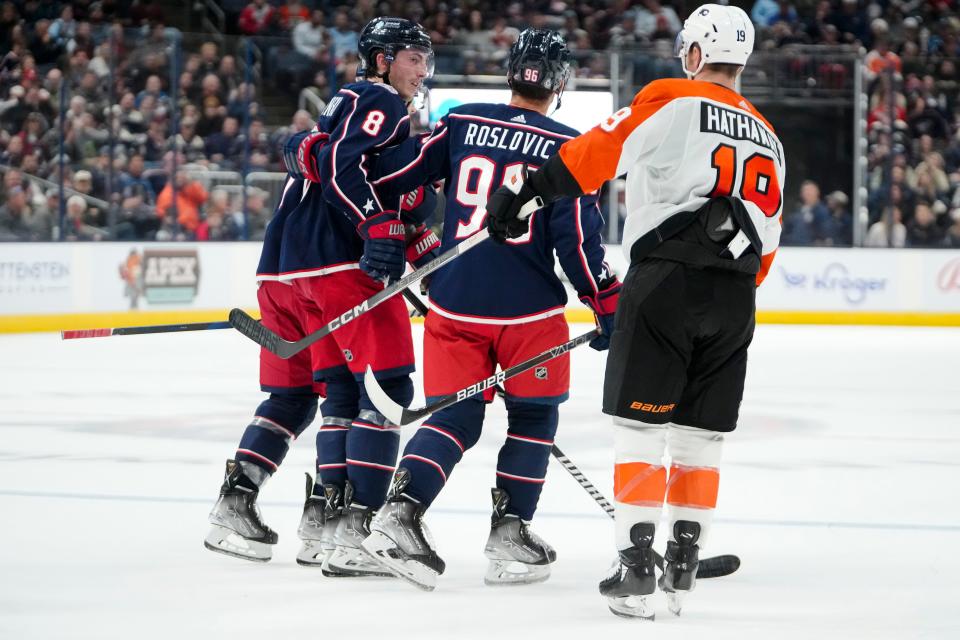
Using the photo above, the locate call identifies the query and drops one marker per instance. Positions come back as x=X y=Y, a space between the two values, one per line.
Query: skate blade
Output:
x=347 y=562
x=637 y=607
x=675 y=601
x=386 y=552
x=512 y=572
x=230 y=543
x=312 y=553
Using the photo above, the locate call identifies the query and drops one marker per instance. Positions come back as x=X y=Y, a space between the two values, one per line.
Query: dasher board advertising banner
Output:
x=581 y=110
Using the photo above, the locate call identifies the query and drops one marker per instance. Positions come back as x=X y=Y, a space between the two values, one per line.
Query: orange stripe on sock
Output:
x=639 y=483
x=693 y=487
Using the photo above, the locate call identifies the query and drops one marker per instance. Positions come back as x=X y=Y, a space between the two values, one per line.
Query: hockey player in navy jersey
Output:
x=333 y=243
x=473 y=327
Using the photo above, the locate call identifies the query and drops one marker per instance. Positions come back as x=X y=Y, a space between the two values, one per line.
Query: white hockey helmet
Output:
x=723 y=33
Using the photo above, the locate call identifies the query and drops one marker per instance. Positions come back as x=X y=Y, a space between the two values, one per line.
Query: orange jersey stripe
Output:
x=639 y=483
x=593 y=157
x=765 y=263
x=693 y=487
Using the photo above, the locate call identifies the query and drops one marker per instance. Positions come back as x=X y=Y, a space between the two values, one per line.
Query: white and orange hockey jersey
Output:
x=680 y=143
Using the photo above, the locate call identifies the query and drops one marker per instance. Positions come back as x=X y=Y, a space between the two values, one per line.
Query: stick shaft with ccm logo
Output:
x=250 y=327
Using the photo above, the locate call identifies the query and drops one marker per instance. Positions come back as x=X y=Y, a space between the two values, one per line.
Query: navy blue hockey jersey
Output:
x=318 y=233
x=475 y=148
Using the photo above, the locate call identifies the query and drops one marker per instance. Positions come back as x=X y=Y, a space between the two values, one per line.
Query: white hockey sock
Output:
x=639 y=478
x=694 y=476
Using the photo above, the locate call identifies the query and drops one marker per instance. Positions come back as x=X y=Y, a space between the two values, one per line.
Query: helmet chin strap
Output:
x=683 y=62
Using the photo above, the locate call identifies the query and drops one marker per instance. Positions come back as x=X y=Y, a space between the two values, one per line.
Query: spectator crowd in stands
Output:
x=133 y=90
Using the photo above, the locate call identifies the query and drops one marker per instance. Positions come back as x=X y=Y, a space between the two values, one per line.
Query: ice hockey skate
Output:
x=317 y=525
x=401 y=541
x=632 y=579
x=680 y=564
x=238 y=529
x=347 y=559
x=517 y=555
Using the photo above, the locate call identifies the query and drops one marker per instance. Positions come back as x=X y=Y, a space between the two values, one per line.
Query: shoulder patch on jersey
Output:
x=519 y=119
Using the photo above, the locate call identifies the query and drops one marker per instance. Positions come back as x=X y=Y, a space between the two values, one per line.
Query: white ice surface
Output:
x=840 y=491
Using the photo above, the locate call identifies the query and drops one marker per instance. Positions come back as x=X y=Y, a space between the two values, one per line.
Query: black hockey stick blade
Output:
x=251 y=327
x=403 y=416
x=718 y=566
x=248 y=326
x=71 y=334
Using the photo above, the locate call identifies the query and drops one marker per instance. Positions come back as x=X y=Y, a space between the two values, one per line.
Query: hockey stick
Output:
x=714 y=567
x=402 y=416
x=419 y=307
x=71 y=334
x=248 y=326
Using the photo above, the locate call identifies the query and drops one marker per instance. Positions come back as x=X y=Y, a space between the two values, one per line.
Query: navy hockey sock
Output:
x=523 y=459
x=340 y=407
x=278 y=421
x=439 y=445
x=373 y=442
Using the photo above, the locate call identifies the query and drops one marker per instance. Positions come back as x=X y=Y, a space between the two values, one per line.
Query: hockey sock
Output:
x=438 y=445
x=639 y=478
x=340 y=407
x=523 y=459
x=694 y=476
x=278 y=421
x=373 y=443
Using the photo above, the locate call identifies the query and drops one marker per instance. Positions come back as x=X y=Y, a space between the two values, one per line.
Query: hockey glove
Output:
x=384 y=246
x=417 y=206
x=423 y=245
x=510 y=207
x=300 y=154
x=604 y=305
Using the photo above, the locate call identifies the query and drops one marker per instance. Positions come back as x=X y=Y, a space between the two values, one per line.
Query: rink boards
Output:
x=49 y=287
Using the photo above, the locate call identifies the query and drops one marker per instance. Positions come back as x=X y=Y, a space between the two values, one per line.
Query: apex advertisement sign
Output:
x=161 y=276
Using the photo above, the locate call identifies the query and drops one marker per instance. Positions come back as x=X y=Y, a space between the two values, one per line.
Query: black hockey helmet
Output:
x=539 y=58
x=389 y=35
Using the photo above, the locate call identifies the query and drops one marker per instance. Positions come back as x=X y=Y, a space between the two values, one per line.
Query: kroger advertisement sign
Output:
x=862 y=280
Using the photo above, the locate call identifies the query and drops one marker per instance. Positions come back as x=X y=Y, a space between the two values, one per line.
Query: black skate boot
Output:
x=632 y=578
x=401 y=541
x=680 y=564
x=517 y=555
x=347 y=559
x=238 y=529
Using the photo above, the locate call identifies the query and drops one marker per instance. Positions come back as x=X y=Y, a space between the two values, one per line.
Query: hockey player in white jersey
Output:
x=704 y=193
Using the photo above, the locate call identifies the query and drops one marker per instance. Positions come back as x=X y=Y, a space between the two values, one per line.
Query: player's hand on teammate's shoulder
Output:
x=510 y=207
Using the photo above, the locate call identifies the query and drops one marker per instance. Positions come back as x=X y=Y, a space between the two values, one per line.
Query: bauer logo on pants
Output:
x=540 y=373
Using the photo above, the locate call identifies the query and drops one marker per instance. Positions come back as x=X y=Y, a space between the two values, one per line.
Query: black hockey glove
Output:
x=510 y=207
